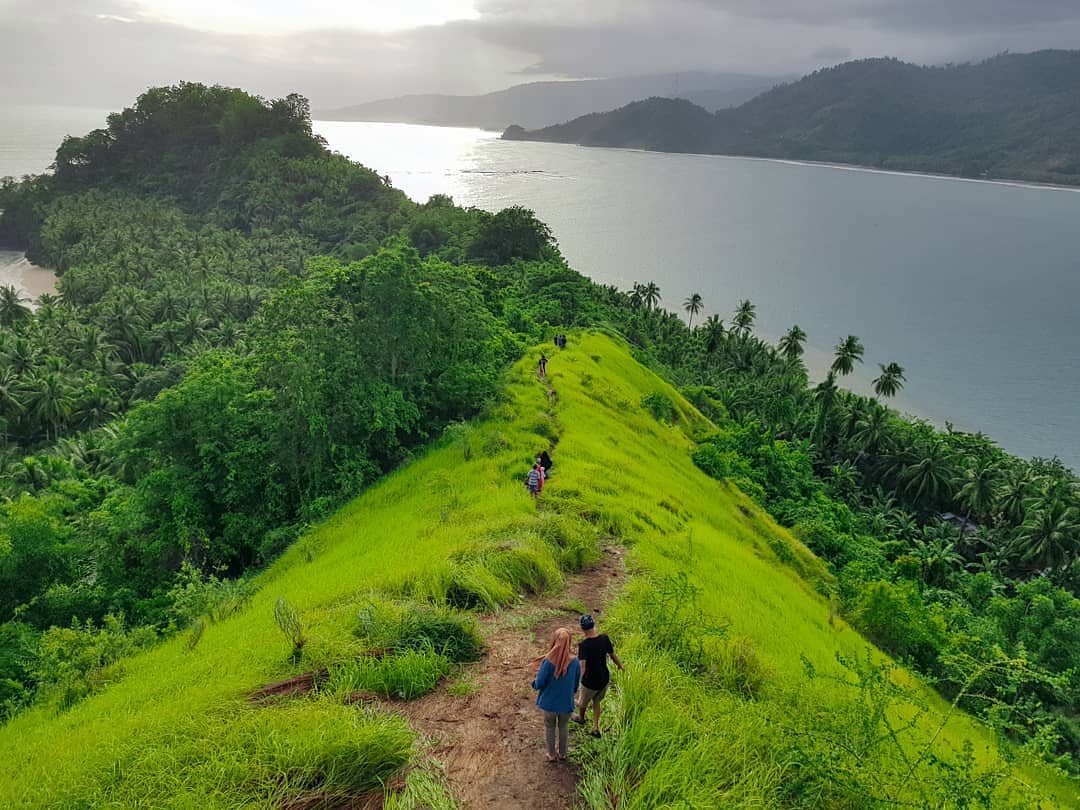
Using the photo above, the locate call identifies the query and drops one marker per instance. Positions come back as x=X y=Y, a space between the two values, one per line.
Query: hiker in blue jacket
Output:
x=556 y=682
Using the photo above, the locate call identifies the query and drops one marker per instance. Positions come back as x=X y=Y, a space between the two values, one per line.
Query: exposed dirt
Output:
x=491 y=741
x=299 y=685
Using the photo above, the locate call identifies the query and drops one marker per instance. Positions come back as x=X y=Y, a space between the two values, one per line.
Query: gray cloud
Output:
x=106 y=52
x=972 y=16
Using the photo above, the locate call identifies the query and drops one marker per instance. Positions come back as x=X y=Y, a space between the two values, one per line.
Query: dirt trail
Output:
x=491 y=741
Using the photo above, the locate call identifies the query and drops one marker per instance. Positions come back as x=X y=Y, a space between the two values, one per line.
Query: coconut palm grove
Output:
x=277 y=417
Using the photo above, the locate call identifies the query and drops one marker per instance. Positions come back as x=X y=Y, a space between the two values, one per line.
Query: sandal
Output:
x=595 y=733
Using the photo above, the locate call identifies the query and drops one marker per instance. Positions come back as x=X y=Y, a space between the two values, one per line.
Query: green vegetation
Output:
x=717 y=620
x=251 y=331
x=1014 y=116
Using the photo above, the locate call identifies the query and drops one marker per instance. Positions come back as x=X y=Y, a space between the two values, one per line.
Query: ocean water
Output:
x=973 y=287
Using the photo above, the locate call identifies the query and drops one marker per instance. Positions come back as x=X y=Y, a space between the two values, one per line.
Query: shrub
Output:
x=196 y=595
x=895 y=618
x=660 y=406
x=75 y=661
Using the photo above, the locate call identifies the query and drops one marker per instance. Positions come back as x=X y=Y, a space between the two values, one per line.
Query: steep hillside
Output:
x=701 y=712
x=1014 y=116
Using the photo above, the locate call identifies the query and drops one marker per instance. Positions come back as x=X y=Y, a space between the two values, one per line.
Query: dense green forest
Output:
x=1015 y=116
x=250 y=329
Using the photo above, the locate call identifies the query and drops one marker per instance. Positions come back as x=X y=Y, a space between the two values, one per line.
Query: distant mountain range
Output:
x=1014 y=116
x=539 y=104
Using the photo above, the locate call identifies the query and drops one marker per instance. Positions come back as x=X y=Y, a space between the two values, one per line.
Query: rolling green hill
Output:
x=760 y=713
x=1014 y=116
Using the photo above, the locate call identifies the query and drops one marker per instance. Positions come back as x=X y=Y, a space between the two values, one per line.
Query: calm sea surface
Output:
x=973 y=287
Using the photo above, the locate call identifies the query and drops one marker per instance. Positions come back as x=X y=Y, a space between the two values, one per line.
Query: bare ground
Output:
x=491 y=740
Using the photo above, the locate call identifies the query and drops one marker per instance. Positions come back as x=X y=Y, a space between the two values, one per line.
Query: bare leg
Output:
x=596 y=715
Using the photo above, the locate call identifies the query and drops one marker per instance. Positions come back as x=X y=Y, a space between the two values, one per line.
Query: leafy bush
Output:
x=73 y=662
x=895 y=618
x=660 y=406
x=196 y=595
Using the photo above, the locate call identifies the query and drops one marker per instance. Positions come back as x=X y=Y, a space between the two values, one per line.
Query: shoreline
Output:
x=28 y=278
x=822 y=164
x=819 y=164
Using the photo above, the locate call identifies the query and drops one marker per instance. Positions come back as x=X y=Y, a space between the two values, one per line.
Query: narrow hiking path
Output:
x=484 y=728
x=490 y=741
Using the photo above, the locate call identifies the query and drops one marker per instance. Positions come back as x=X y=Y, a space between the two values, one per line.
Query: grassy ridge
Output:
x=455 y=527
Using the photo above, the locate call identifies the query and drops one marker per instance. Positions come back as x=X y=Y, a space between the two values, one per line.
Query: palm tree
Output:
x=1014 y=493
x=49 y=400
x=22 y=355
x=13 y=307
x=650 y=295
x=11 y=397
x=848 y=352
x=791 y=344
x=692 y=305
x=937 y=556
x=872 y=430
x=929 y=479
x=978 y=491
x=714 y=333
x=1049 y=538
x=890 y=382
x=825 y=397
x=745 y=314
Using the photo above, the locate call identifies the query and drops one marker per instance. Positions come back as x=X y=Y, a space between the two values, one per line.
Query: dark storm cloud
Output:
x=926 y=15
x=103 y=52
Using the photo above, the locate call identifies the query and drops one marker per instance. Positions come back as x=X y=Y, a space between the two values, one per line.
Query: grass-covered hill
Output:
x=742 y=688
x=1014 y=116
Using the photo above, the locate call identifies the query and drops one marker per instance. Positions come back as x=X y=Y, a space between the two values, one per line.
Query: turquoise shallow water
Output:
x=973 y=287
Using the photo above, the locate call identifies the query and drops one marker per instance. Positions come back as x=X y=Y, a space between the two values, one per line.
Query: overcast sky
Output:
x=104 y=52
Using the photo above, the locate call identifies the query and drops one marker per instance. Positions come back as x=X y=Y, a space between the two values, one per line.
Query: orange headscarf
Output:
x=560 y=655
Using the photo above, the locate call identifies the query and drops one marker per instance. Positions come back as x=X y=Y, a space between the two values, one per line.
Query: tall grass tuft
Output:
x=288 y=621
x=399 y=628
x=402 y=676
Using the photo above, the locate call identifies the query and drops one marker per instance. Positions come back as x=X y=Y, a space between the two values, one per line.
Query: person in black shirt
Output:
x=545 y=462
x=593 y=652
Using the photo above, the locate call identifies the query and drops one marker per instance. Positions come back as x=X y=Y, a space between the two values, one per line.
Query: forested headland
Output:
x=250 y=329
x=1015 y=116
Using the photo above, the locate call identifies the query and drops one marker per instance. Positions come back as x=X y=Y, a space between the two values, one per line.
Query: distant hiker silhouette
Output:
x=545 y=462
x=541 y=367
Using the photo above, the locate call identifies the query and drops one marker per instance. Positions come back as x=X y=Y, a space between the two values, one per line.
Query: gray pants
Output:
x=553 y=720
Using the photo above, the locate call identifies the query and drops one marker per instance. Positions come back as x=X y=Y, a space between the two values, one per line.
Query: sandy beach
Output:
x=25 y=276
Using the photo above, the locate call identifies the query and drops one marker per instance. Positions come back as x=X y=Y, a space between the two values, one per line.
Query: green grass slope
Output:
x=698 y=716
